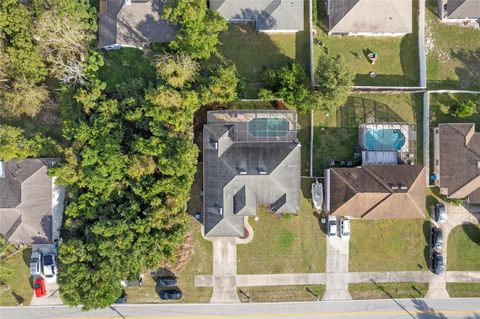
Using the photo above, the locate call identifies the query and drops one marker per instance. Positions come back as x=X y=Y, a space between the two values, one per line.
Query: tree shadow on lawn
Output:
x=469 y=73
x=472 y=231
x=359 y=110
x=427 y=233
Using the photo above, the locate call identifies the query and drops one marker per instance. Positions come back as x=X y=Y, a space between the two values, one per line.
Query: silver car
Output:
x=36 y=264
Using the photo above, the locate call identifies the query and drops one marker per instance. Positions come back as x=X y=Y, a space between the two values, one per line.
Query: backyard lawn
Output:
x=459 y=290
x=336 y=133
x=397 y=63
x=453 y=53
x=281 y=293
x=15 y=275
x=288 y=244
x=252 y=52
x=388 y=290
x=464 y=248
x=440 y=105
x=389 y=245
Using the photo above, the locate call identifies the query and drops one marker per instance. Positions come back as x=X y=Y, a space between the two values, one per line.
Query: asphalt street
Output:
x=361 y=309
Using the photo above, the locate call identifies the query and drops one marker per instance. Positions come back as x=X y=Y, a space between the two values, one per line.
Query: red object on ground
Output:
x=39 y=287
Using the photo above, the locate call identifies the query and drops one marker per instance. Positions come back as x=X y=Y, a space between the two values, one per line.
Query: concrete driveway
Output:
x=337 y=269
x=224 y=271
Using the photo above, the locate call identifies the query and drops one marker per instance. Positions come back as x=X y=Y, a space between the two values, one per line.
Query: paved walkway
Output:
x=421 y=44
x=224 y=271
x=389 y=276
x=337 y=269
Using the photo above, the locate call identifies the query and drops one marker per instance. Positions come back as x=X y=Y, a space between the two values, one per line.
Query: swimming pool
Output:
x=268 y=127
x=382 y=139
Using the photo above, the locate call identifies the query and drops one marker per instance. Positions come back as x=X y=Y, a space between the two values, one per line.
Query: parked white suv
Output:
x=50 y=267
x=345 y=229
x=332 y=226
x=36 y=264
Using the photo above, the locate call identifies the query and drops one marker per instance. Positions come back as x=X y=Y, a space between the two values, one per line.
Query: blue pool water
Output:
x=384 y=140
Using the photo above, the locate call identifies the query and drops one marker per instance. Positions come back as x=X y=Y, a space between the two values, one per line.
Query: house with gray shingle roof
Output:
x=370 y=17
x=454 y=10
x=457 y=161
x=250 y=158
x=28 y=201
x=267 y=15
x=132 y=23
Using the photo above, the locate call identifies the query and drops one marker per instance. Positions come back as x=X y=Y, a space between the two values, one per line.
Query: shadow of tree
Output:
x=469 y=72
x=425 y=311
x=472 y=231
x=427 y=233
x=19 y=299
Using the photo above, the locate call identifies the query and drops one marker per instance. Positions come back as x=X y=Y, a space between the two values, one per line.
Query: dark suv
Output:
x=437 y=264
x=171 y=294
x=437 y=239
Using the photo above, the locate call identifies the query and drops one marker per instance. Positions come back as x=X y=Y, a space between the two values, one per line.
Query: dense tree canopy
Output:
x=464 y=109
x=199 y=27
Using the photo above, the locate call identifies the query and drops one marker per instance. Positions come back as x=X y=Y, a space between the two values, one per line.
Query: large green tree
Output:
x=199 y=27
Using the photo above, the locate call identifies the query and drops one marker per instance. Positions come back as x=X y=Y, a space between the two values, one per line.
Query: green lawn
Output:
x=440 y=105
x=125 y=64
x=336 y=135
x=397 y=63
x=15 y=274
x=281 y=293
x=388 y=290
x=389 y=245
x=459 y=290
x=286 y=244
x=453 y=53
x=464 y=248
x=252 y=52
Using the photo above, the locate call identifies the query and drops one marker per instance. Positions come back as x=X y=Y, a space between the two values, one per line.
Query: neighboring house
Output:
x=457 y=161
x=132 y=23
x=455 y=10
x=376 y=191
x=370 y=17
x=267 y=15
x=250 y=158
x=30 y=205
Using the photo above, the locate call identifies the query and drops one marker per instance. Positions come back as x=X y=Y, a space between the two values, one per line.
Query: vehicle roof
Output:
x=346 y=225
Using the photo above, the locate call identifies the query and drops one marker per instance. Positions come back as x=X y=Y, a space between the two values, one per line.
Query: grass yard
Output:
x=397 y=63
x=286 y=244
x=389 y=245
x=465 y=290
x=464 y=248
x=252 y=52
x=336 y=135
x=388 y=290
x=281 y=293
x=453 y=53
x=15 y=275
x=440 y=105
x=125 y=64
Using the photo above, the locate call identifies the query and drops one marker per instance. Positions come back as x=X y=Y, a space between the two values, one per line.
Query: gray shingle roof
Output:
x=461 y=9
x=269 y=15
x=242 y=171
x=137 y=24
x=26 y=201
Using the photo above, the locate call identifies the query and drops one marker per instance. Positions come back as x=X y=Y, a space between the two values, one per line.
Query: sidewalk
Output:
x=337 y=269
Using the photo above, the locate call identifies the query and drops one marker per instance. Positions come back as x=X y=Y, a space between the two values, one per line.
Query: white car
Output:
x=50 y=267
x=345 y=229
x=36 y=264
x=332 y=226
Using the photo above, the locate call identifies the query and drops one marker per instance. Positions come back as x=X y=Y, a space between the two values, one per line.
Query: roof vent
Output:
x=241 y=171
x=220 y=211
x=404 y=187
x=262 y=171
x=395 y=187
x=478 y=164
x=214 y=144
x=2 y=169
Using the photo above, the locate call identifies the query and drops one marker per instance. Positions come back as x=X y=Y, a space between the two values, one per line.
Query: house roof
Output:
x=137 y=24
x=459 y=150
x=370 y=16
x=241 y=171
x=461 y=9
x=269 y=15
x=378 y=191
x=26 y=201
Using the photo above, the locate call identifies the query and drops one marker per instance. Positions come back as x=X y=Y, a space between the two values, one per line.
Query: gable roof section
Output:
x=378 y=191
x=269 y=15
x=136 y=24
x=238 y=175
x=459 y=160
x=370 y=16
x=26 y=201
x=461 y=9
